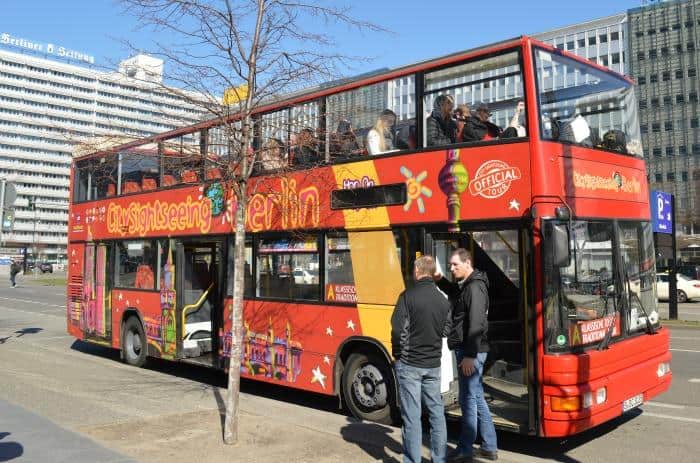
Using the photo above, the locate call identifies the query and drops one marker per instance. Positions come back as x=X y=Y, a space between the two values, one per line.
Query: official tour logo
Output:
x=492 y=179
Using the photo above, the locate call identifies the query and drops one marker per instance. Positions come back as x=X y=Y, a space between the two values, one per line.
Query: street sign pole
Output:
x=672 y=278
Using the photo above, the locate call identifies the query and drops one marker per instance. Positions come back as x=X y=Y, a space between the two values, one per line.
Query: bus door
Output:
x=96 y=316
x=199 y=299
x=498 y=253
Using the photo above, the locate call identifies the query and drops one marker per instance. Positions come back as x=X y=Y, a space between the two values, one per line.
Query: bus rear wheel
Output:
x=134 y=344
x=368 y=389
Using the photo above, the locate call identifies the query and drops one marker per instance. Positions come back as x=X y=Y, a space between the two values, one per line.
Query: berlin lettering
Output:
x=290 y=207
x=159 y=216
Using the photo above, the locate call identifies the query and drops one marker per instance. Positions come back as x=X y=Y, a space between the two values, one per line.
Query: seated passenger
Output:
x=144 y=277
x=344 y=141
x=273 y=156
x=441 y=128
x=380 y=138
x=462 y=113
x=478 y=127
x=305 y=152
x=516 y=128
x=614 y=140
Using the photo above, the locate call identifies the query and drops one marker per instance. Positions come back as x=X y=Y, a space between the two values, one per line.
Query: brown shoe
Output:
x=460 y=459
x=488 y=455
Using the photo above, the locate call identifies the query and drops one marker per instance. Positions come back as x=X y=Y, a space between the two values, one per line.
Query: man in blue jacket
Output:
x=468 y=338
x=418 y=324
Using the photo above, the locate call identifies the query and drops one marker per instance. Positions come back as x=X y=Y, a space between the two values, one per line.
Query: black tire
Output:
x=368 y=389
x=134 y=346
x=682 y=297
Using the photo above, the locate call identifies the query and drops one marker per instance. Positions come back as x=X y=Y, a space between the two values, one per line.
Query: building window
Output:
x=693 y=97
x=690 y=46
x=689 y=24
x=651 y=31
x=655 y=102
x=668 y=100
x=655 y=126
x=570 y=45
x=679 y=48
x=668 y=126
x=682 y=151
x=669 y=151
x=680 y=98
x=614 y=36
x=640 y=56
x=656 y=152
x=679 y=73
x=670 y=177
x=658 y=178
x=603 y=38
x=581 y=43
x=644 y=128
x=666 y=76
x=696 y=148
x=591 y=40
x=684 y=176
x=615 y=58
x=654 y=78
x=692 y=72
x=642 y=104
x=652 y=54
x=642 y=80
x=694 y=123
x=639 y=34
x=676 y=26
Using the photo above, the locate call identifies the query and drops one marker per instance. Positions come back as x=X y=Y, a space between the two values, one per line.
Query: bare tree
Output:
x=258 y=50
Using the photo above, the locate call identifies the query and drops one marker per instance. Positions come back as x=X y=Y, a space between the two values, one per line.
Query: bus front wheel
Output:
x=134 y=342
x=368 y=389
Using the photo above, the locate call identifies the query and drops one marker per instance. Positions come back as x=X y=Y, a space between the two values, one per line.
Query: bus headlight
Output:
x=597 y=398
x=663 y=369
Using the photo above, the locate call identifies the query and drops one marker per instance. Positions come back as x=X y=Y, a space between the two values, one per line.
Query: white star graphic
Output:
x=326 y=360
x=351 y=325
x=138 y=302
x=318 y=376
x=329 y=331
x=120 y=297
x=127 y=303
x=72 y=253
x=514 y=204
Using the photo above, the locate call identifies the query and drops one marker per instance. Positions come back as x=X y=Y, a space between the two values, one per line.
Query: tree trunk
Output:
x=234 y=371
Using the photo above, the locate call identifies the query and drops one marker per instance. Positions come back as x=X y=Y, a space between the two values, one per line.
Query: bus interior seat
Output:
x=190 y=176
x=131 y=186
x=169 y=180
x=148 y=184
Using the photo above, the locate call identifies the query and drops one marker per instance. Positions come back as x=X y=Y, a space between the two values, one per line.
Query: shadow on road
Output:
x=9 y=450
x=556 y=449
x=20 y=333
x=356 y=432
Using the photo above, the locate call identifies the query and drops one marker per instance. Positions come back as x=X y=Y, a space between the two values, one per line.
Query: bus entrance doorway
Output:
x=199 y=299
x=498 y=253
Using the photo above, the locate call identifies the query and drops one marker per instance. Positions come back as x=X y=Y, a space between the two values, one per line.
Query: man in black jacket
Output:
x=468 y=338
x=418 y=325
x=440 y=126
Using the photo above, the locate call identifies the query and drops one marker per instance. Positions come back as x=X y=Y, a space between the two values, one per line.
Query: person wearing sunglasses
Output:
x=478 y=127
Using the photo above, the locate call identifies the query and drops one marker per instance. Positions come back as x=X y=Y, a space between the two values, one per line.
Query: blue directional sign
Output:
x=661 y=211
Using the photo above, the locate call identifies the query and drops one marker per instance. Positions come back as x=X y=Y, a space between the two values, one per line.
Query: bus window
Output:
x=585 y=105
x=102 y=180
x=274 y=143
x=479 y=86
x=138 y=170
x=136 y=261
x=305 y=135
x=81 y=181
x=409 y=246
x=181 y=160
x=249 y=288
x=374 y=119
x=340 y=283
x=287 y=268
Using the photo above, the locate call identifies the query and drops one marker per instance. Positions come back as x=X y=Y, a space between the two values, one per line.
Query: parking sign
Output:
x=661 y=211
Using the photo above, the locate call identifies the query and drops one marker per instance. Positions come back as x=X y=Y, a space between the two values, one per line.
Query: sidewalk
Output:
x=26 y=437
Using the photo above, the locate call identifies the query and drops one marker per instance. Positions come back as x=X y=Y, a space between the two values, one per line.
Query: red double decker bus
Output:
x=352 y=182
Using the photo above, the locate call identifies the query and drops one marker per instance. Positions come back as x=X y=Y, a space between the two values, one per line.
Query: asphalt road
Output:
x=85 y=388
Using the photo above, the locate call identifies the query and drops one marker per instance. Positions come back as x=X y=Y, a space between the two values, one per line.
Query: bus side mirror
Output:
x=560 y=246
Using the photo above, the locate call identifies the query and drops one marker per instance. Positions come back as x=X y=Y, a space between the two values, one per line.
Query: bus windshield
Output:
x=594 y=294
x=583 y=105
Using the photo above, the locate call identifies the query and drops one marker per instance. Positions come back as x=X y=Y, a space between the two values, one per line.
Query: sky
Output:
x=419 y=29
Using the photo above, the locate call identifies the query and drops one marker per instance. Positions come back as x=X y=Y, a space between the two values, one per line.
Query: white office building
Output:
x=52 y=98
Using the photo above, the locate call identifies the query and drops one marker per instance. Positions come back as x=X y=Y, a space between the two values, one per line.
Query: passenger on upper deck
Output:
x=305 y=153
x=344 y=141
x=462 y=113
x=478 y=128
x=273 y=156
x=516 y=128
x=441 y=129
x=380 y=138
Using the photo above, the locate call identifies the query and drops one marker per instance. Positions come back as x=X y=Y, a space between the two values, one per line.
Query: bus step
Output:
x=206 y=360
x=506 y=390
x=505 y=416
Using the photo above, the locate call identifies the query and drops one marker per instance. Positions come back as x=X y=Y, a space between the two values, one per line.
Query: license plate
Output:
x=632 y=402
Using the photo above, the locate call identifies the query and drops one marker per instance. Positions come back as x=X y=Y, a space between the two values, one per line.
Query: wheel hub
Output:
x=369 y=387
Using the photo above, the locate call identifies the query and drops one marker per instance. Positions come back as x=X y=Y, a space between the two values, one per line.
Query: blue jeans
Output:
x=416 y=383
x=475 y=410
